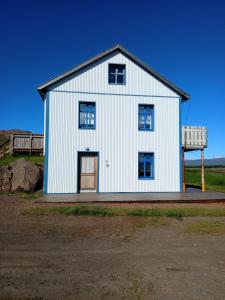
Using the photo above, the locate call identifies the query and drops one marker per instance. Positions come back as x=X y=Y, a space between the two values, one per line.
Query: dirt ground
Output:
x=71 y=257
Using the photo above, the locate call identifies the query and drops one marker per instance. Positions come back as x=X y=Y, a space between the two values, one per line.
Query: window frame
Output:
x=152 y=115
x=116 y=74
x=92 y=110
x=152 y=161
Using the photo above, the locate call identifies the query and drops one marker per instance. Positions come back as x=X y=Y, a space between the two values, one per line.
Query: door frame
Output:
x=79 y=153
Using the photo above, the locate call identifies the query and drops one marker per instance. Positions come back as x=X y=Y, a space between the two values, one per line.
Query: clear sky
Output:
x=182 y=40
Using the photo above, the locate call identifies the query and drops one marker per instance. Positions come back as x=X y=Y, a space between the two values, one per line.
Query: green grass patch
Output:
x=79 y=210
x=103 y=211
x=10 y=159
x=215 y=179
x=34 y=195
x=206 y=227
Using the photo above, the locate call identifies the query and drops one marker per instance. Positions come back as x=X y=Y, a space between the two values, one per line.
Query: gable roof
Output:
x=42 y=89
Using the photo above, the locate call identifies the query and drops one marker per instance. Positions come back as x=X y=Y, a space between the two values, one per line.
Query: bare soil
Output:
x=70 y=257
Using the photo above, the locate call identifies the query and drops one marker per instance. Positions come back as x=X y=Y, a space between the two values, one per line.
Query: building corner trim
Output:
x=180 y=142
x=46 y=144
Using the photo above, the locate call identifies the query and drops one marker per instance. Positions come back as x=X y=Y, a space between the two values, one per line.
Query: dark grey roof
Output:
x=47 y=85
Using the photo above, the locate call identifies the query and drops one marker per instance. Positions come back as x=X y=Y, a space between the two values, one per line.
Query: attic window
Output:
x=117 y=74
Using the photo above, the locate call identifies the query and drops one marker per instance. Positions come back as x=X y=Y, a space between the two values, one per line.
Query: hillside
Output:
x=208 y=162
x=214 y=178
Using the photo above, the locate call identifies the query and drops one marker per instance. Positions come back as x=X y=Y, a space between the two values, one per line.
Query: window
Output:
x=146 y=117
x=145 y=165
x=117 y=74
x=87 y=115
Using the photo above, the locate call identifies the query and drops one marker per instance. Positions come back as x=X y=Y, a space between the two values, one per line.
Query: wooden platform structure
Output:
x=23 y=144
x=192 y=197
x=194 y=138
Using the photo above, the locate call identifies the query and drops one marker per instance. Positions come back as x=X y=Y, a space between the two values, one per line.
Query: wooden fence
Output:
x=5 y=149
x=22 y=143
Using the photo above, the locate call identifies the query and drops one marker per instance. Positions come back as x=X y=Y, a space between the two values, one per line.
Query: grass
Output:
x=214 y=178
x=102 y=211
x=10 y=159
x=34 y=195
x=206 y=227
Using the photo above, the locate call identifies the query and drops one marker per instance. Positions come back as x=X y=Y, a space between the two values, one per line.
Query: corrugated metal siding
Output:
x=95 y=80
x=44 y=125
x=116 y=138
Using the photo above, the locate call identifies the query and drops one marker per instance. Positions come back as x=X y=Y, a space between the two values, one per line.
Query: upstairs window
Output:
x=87 y=115
x=146 y=117
x=145 y=165
x=117 y=74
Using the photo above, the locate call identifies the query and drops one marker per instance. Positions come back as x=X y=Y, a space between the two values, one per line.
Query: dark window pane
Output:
x=141 y=125
x=141 y=109
x=91 y=105
x=121 y=69
x=141 y=121
x=148 y=169
x=120 y=79
x=141 y=170
x=147 y=156
x=112 y=78
x=141 y=157
x=141 y=173
x=83 y=107
x=82 y=118
x=112 y=68
x=148 y=121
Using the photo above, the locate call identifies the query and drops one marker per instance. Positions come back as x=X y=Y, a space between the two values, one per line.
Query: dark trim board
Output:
x=46 y=144
x=114 y=94
x=180 y=144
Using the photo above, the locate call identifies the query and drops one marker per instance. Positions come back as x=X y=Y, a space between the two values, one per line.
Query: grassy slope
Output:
x=9 y=159
x=215 y=178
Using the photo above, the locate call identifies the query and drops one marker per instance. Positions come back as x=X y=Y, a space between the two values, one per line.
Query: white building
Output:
x=112 y=125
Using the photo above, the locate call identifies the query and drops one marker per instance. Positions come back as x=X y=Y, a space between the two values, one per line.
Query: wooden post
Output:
x=11 y=151
x=30 y=144
x=183 y=173
x=203 y=171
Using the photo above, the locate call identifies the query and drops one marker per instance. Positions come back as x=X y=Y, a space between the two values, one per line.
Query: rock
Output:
x=5 y=179
x=26 y=176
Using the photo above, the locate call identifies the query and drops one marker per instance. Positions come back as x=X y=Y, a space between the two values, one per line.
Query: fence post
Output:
x=30 y=144
x=183 y=173
x=203 y=170
x=11 y=145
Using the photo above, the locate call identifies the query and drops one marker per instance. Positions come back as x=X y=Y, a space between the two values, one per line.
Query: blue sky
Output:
x=182 y=40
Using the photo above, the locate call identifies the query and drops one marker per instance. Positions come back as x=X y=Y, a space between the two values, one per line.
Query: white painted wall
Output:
x=116 y=137
x=95 y=80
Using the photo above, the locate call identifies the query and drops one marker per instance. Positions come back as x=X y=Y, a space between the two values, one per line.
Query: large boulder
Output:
x=5 y=179
x=26 y=176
